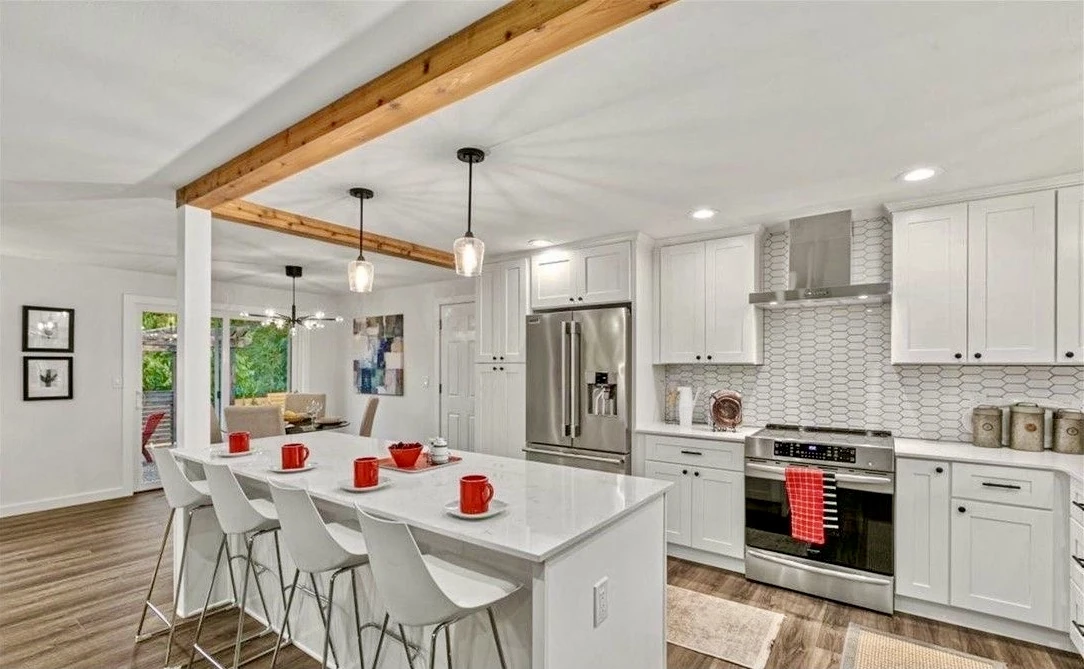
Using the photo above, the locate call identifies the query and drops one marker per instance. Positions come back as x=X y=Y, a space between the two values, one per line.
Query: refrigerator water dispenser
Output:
x=603 y=394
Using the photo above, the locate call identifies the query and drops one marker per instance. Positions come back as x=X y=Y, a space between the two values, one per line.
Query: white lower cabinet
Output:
x=1076 y=617
x=500 y=409
x=718 y=511
x=1003 y=560
x=923 y=495
x=678 y=500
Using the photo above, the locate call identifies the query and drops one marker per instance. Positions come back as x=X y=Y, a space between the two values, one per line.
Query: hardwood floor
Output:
x=72 y=583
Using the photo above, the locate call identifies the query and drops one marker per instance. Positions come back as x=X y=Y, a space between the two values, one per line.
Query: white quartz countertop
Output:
x=1073 y=465
x=697 y=431
x=550 y=507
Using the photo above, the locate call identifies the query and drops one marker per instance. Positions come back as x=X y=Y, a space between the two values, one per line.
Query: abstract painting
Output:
x=379 y=371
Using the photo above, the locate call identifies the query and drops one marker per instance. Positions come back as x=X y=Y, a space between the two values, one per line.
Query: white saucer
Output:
x=348 y=486
x=496 y=506
x=227 y=454
x=280 y=470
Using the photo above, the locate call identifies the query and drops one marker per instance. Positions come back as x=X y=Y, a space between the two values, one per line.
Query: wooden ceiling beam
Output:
x=269 y=218
x=506 y=42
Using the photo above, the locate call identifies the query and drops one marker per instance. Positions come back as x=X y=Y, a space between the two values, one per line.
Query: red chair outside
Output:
x=148 y=429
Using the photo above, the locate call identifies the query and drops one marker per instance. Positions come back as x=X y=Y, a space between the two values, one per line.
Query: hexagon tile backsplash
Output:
x=831 y=366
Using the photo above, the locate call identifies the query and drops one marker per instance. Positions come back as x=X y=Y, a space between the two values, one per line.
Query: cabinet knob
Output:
x=580 y=299
x=494 y=357
x=571 y=299
x=1069 y=354
x=709 y=357
x=940 y=470
x=502 y=369
x=978 y=355
x=958 y=356
x=494 y=369
x=684 y=472
x=502 y=357
x=696 y=473
x=961 y=509
x=697 y=357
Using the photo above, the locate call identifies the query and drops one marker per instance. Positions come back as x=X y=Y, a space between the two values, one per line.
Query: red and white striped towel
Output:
x=811 y=495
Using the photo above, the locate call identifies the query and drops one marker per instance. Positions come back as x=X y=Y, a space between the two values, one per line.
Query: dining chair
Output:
x=370 y=417
x=265 y=421
x=148 y=431
x=421 y=590
x=299 y=402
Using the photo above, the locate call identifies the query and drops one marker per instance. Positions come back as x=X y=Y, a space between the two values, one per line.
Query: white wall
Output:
x=57 y=453
x=413 y=416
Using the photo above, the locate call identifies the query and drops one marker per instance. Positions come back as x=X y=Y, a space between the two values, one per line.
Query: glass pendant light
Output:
x=360 y=272
x=468 y=249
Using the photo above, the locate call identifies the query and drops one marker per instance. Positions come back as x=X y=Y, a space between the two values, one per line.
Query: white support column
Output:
x=193 y=382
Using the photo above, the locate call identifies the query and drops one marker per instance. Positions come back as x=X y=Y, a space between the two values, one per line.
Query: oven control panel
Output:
x=822 y=452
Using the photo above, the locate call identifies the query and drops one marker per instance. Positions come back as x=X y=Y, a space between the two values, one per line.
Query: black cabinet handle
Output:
x=958 y=356
x=697 y=357
x=684 y=472
x=978 y=355
x=1006 y=486
x=940 y=470
x=696 y=473
x=684 y=452
x=1078 y=560
x=961 y=509
x=1069 y=354
x=1079 y=505
x=1079 y=627
x=709 y=357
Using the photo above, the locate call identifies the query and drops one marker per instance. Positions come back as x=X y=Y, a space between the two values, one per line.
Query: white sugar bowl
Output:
x=438 y=451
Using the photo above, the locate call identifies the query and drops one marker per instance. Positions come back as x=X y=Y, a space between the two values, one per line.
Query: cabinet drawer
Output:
x=1076 y=553
x=1076 y=500
x=696 y=452
x=1004 y=485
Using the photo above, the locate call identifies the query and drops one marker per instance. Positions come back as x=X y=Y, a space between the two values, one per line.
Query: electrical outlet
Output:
x=602 y=601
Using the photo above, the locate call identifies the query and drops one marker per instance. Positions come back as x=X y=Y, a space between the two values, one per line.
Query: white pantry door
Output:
x=457 y=332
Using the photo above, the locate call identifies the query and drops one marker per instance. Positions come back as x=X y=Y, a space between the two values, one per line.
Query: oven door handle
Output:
x=817 y=570
x=840 y=476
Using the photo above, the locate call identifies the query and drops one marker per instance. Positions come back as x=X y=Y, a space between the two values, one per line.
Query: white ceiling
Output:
x=760 y=110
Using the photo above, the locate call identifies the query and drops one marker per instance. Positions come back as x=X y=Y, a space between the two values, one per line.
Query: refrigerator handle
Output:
x=565 y=362
x=574 y=373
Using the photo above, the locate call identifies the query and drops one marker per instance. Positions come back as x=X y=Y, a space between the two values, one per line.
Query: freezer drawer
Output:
x=618 y=463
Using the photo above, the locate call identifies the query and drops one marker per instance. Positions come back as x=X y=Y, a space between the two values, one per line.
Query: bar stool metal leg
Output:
x=206 y=602
x=496 y=637
x=325 y=621
x=357 y=615
x=410 y=660
x=380 y=641
x=286 y=617
x=180 y=579
x=150 y=591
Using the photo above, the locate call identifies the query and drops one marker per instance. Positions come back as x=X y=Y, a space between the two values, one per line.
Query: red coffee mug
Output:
x=474 y=494
x=366 y=472
x=239 y=442
x=294 y=456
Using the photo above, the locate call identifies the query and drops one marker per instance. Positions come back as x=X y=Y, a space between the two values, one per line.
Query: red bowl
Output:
x=405 y=455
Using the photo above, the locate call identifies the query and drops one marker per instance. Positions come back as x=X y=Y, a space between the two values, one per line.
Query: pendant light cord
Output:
x=293 y=299
x=470 y=194
x=361 y=228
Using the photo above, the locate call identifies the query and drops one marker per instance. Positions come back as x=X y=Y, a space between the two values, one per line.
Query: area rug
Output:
x=869 y=649
x=738 y=633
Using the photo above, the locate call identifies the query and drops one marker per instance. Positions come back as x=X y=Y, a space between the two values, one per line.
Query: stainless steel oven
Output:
x=856 y=563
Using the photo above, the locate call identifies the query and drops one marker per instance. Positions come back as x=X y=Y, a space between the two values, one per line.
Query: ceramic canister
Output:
x=1026 y=426
x=1068 y=431
x=986 y=426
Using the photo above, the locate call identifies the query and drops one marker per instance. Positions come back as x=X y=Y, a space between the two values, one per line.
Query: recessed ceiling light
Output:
x=539 y=243
x=703 y=214
x=919 y=174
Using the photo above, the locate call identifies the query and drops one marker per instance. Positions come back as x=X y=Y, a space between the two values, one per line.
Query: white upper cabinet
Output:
x=681 y=302
x=732 y=325
x=502 y=310
x=580 y=277
x=704 y=313
x=1070 y=277
x=929 y=285
x=1011 y=252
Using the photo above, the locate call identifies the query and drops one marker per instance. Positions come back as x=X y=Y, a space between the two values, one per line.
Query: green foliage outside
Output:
x=260 y=357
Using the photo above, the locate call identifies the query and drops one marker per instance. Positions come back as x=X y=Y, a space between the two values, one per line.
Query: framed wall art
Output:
x=47 y=378
x=379 y=371
x=48 y=330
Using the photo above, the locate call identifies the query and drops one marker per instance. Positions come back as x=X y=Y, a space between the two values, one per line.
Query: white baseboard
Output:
x=704 y=557
x=983 y=622
x=61 y=502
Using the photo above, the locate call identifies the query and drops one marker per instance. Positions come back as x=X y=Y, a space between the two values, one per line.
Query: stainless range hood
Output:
x=820 y=267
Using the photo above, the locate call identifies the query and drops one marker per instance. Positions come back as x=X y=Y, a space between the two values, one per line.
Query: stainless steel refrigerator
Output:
x=578 y=383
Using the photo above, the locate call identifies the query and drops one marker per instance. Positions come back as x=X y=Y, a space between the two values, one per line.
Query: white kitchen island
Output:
x=565 y=531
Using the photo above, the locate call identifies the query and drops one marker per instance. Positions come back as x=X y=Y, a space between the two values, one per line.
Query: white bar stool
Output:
x=182 y=494
x=249 y=519
x=422 y=590
x=317 y=547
